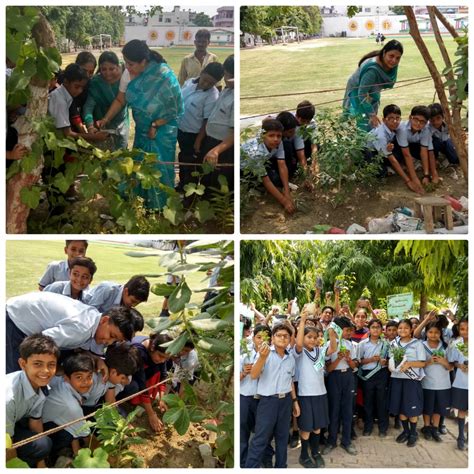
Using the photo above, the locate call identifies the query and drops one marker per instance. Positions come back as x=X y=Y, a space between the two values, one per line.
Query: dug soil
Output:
x=263 y=215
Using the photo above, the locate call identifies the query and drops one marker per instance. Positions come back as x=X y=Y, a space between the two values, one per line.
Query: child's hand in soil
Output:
x=308 y=185
x=415 y=186
x=289 y=205
x=162 y=406
x=155 y=423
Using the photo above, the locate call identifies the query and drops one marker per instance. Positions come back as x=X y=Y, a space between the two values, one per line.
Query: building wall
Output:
x=176 y=35
x=363 y=26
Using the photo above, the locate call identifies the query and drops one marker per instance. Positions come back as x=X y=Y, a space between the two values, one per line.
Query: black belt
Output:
x=277 y=395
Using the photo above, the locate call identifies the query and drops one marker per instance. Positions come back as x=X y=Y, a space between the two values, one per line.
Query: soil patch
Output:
x=263 y=215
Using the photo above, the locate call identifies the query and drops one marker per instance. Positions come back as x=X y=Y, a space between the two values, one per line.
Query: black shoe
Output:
x=397 y=424
x=328 y=448
x=461 y=444
x=294 y=439
x=382 y=434
x=349 y=449
x=318 y=460
x=402 y=437
x=411 y=441
x=435 y=435
x=442 y=429
x=306 y=462
x=426 y=430
x=367 y=433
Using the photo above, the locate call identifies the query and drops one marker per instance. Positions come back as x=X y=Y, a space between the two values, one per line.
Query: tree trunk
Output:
x=37 y=107
x=454 y=127
x=423 y=305
x=445 y=22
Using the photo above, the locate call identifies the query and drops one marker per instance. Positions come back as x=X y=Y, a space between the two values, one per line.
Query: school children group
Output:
x=313 y=375
x=95 y=106
x=70 y=348
x=287 y=143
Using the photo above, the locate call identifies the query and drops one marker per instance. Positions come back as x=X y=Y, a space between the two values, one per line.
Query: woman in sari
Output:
x=151 y=89
x=377 y=71
x=103 y=88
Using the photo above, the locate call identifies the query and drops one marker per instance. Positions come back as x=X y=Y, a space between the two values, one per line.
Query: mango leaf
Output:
x=180 y=296
x=182 y=268
x=216 y=346
x=85 y=460
x=176 y=345
x=31 y=196
x=209 y=324
x=169 y=258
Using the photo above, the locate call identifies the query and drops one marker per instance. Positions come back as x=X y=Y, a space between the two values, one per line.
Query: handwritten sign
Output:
x=398 y=305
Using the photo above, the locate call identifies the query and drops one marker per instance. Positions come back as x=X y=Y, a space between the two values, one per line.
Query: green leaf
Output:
x=61 y=182
x=16 y=463
x=180 y=296
x=204 y=211
x=216 y=346
x=162 y=289
x=172 y=415
x=127 y=165
x=84 y=459
x=172 y=400
x=176 y=345
x=210 y=427
x=183 y=268
x=209 y=324
x=31 y=196
x=162 y=324
x=182 y=424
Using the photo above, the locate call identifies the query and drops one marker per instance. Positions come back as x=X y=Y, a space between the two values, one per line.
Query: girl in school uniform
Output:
x=436 y=383
x=312 y=393
x=373 y=372
x=406 y=392
x=459 y=391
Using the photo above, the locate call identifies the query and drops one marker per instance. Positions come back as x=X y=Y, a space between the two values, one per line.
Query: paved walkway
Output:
x=375 y=452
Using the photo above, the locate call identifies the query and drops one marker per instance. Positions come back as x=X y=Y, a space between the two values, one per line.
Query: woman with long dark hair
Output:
x=377 y=70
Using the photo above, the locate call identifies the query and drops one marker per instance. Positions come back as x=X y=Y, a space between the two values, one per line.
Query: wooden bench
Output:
x=434 y=209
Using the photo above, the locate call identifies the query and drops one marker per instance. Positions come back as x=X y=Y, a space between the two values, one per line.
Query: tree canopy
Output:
x=277 y=271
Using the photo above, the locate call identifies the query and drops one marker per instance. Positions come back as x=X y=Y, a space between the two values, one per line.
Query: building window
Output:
x=167 y=20
x=367 y=10
x=160 y=19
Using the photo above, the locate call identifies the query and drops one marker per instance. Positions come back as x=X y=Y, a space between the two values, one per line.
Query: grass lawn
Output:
x=327 y=63
x=26 y=261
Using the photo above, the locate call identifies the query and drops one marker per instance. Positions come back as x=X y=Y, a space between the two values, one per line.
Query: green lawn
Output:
x=26 y=261
x=305 y=67
x=173 y=56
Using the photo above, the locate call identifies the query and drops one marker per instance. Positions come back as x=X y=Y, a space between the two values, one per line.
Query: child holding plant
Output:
x=373 y=372
x=406 y=393
x=458 y=355
x=309 y=352
x=274 y=369
x=340 y=386
x=436 y=384
x=248 y=388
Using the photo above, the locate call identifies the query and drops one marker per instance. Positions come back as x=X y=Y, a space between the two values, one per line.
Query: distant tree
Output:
x=201 y=19
x=397 y=10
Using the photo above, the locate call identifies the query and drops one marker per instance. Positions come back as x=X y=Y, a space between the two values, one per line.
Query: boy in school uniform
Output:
x=59 y=270
x=218 y=145
x=305 y=112
x=413 y=141
x=274 y=369
x=70 y=323
x=264 y=157
x=440 y=135
x=26 y=392
x=248 y=390
x=122 y=360
x=64 y=403
x=199 y=97
x=60 y=100
x=382 y=141
x=194 y=63
x=82 y=270
x=341 y=389
x=107 y=294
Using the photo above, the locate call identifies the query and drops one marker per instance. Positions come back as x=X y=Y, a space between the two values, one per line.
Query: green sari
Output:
x=362 y=97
